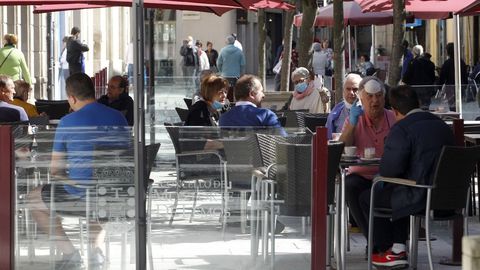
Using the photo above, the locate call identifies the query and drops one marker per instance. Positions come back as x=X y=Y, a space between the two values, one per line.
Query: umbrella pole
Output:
x=373 y=52
x=349 y=35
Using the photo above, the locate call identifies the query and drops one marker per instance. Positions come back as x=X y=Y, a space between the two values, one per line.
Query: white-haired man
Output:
x=420 y=74
x=339 y=113
x=366 y=126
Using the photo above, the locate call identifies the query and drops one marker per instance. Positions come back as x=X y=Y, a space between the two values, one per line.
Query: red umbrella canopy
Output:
x=273 y=4
x=164 y=4
x=472 y=9
x=423 y=9
x=352 y=14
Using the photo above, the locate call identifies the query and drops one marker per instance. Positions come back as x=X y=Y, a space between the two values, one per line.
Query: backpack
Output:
x=189 y=58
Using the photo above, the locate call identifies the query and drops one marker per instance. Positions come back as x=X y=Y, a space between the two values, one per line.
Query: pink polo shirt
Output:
x=367 y=136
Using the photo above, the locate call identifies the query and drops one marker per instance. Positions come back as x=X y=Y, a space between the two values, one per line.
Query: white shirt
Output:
x=203 y=64
x=238 y=45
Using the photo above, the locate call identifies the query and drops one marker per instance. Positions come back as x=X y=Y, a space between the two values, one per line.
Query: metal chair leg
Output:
x=413 y=245
x=194 y=201
x=428 y=214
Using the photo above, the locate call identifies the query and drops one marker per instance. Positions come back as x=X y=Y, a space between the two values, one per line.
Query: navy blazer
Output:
x=411 y=151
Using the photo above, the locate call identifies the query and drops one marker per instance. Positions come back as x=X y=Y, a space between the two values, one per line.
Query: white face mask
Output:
x=348 y=105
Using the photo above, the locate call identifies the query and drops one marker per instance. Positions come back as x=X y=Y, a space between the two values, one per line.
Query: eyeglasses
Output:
x=299 y=81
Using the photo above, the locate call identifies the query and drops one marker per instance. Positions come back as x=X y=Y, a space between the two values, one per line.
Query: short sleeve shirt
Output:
x=366 y=135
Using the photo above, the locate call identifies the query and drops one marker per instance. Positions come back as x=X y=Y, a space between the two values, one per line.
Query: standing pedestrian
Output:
x=231 y=63
x=190 y=60
x=12 y=60
x=75 y=49
x=212 y=55
x=203 y=63
x=64 y=72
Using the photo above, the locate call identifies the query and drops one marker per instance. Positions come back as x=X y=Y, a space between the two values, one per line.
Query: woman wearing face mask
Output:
x=308 y=94
x=213 y=93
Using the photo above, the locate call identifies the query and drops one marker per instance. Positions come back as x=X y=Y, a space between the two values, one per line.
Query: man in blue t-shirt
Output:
x=91 y=125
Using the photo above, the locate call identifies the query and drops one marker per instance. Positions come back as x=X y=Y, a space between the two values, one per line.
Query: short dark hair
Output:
x=450 y=50
x=403 y=98
x=244 y=85
x=75 y=30
x=366 y=57
x=80 y=85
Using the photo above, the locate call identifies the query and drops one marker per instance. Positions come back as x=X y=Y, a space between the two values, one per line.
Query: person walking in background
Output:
x=420 y=74
x=117 y=97
x=64 y=71
x=22 y=92
x=129 y=62
x=190 y=60
x=75 y=50
x=203 y=63
x=212 y=55
x=366 y=68
x=293 y=66
x=447 y=76
x=231 y=61
x=7 y=91
x=12 y=60
x=319 y=60
x=407 y=57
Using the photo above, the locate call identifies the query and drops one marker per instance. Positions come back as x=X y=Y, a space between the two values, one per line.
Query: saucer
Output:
x=370 y=159
x=345 y=157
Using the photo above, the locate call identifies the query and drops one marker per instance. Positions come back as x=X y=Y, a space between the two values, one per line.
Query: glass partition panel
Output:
x=218 y=193
x=75 y=197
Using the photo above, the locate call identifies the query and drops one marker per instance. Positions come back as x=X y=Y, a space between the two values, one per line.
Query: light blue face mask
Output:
x=301 y=87
x=217 y=105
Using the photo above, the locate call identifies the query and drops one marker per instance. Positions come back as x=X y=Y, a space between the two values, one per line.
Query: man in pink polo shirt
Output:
x=367 y=126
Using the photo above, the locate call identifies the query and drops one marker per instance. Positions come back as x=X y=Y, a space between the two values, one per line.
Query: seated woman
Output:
x=117 y=97
x=213 y=92
x=308 y=94
x=22 y=92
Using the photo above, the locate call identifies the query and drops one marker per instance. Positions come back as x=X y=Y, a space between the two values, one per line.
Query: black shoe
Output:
x=70 y=261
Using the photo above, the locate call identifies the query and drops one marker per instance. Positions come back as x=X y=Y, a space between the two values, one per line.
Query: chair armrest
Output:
x=400 y=181
x=200 y=152
x=258 y=172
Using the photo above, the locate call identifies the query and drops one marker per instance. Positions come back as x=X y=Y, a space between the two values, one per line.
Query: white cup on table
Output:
x=369 y=152
x=350 y=151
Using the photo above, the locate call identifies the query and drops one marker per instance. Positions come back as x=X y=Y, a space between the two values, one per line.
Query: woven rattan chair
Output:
x=448 y=194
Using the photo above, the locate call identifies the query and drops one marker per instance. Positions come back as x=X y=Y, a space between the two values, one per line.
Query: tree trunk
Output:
x=397 y=51
x=287 y=51
x=261 y=45
x=338 y=49
x=309 y=11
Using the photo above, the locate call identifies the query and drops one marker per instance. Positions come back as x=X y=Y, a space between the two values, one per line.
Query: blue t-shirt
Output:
x=80 y=133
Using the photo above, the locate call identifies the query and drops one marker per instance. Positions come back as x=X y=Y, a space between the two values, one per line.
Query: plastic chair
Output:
x=448 y=192
x=188 y=102
x=55 y=109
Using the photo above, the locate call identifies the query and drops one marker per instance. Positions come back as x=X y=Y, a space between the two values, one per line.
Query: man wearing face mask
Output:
x=339 y=113
x=307 y=95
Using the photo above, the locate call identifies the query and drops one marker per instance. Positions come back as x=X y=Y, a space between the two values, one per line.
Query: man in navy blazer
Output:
x=247 y=112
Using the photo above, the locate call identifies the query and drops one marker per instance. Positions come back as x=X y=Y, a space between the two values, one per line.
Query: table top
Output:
x=472 y=138
x=359 y=162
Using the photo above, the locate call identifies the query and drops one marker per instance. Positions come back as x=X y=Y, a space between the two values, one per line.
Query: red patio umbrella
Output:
x=422 y=9
x=273 y=4
x=352 y=14
x=193 y=6
x=472 y=9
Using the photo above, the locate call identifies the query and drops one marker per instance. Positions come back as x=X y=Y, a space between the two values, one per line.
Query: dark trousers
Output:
x=354 y=186
x=386 y=231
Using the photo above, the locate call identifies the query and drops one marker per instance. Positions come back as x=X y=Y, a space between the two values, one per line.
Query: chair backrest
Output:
x=335 y=150
x=295 y=118
x=55 y=109
x=294 y=178
x=242 y=155
x=152 y=150
x=188 y=102
x=40 y=120
x=267 y=144
x=312 y=121
x=113 y=166
x=182 y=113
x=452 y=177
x=174 y=134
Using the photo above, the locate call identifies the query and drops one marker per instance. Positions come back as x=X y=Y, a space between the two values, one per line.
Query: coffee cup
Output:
x=369 y=152
x=350 y=151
